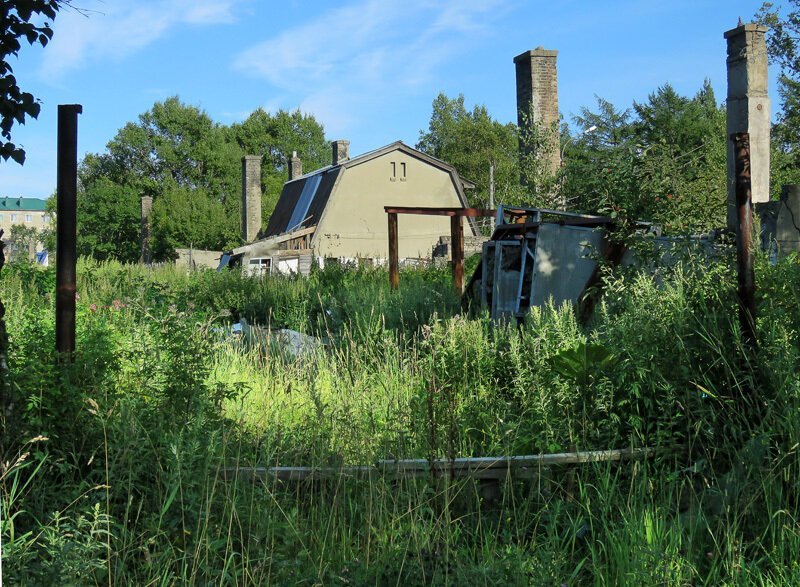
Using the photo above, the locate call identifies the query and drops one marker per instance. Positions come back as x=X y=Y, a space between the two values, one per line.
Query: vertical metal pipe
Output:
x=457 y=244
x=66 y=226
x=744 y=238
x=394 y=272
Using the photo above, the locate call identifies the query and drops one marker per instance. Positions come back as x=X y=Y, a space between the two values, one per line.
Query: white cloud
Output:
x=118 y=28
x=349 y=59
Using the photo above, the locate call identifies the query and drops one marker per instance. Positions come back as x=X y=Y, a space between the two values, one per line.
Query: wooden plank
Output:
x=394 y=271
x=275 y=240
x=469 y=212
x=457 y=246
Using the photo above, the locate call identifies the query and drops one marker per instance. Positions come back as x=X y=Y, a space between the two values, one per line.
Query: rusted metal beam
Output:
x=744 y=238
x=457 y=246
x=394 y=272
x=468 y=212
x=66 y=227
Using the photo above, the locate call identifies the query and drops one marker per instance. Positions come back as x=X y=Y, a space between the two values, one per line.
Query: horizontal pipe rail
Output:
x=501 y=467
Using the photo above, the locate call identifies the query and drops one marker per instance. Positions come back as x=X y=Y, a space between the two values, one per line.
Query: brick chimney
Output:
x=147 y=207
x=295 y=166
x=748 y=109
x=341 y=151
x=537 y=98
x=251 y=197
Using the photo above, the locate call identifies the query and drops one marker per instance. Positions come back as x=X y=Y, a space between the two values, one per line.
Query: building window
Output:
x=13 y=218
x=2 y=217
x=28 y=218
x=398 y=171
x=260 y=266
x=45 y=218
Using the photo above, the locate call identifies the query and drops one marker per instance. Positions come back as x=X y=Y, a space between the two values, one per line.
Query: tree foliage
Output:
x=661 y=160
x=471 y=141
x=18 y=22
x=191 y=166
x=783 y=47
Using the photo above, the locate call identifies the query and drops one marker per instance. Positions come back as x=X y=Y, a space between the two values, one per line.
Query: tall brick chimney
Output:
x=537 y=99
x=295 y=166
x=147 y=207
x=748 y=108
x=251 y=197
x=341 y=151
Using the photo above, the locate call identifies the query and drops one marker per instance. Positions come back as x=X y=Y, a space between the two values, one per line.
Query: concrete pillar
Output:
x=147 y=207
x=537 y=100
x=251 y=197
x=341 y=151
x=295 y=166
x=748 y=109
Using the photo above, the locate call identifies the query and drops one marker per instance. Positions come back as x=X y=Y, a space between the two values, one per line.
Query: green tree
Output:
x=783 y=47
x=661 y=160
x=184 y=218
x=275 y=137
x=19 y=19
x=176 y=151
x=22 y=240
x=471 y=141
x=109 y=221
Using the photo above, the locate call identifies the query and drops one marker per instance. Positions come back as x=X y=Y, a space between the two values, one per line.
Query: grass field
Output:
x=120 y=468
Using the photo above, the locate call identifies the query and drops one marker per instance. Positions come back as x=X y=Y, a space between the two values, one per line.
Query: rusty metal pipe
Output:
x=66 y=226
x=744 y=238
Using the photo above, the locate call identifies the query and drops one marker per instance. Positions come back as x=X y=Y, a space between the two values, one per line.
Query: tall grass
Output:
x=126 y=467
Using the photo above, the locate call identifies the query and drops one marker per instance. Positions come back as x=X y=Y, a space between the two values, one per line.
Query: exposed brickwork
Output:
x=295 y=166
x=251 y=197
x=341 y=151
x=537 y=96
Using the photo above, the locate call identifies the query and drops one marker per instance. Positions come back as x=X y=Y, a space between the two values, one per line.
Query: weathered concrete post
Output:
x=537 y=107
x=748 y=108
x=251 y=197
x=66 y=229
x=295 y=166
x=147 y=207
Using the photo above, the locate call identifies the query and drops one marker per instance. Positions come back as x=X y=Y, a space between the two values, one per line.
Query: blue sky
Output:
x=367 y=69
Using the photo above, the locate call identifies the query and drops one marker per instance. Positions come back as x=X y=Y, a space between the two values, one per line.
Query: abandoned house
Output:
x=337 y=212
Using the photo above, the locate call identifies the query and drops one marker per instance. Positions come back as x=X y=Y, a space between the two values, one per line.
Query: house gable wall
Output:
x=354 y=223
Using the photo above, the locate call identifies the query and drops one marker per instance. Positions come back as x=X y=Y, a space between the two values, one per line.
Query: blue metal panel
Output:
x=304 y=202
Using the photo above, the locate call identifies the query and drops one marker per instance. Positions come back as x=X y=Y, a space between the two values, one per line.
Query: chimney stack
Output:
x=251 y=197
x=748 y=108
x=147 y=207
x=341 y=151
x=295 y=166
x=537 y=101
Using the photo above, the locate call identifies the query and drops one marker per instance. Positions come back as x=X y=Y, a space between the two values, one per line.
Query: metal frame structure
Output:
x=456 y=235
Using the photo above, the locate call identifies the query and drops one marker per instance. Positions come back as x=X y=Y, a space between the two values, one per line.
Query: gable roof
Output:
x=303 y=199
x=35 y=204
